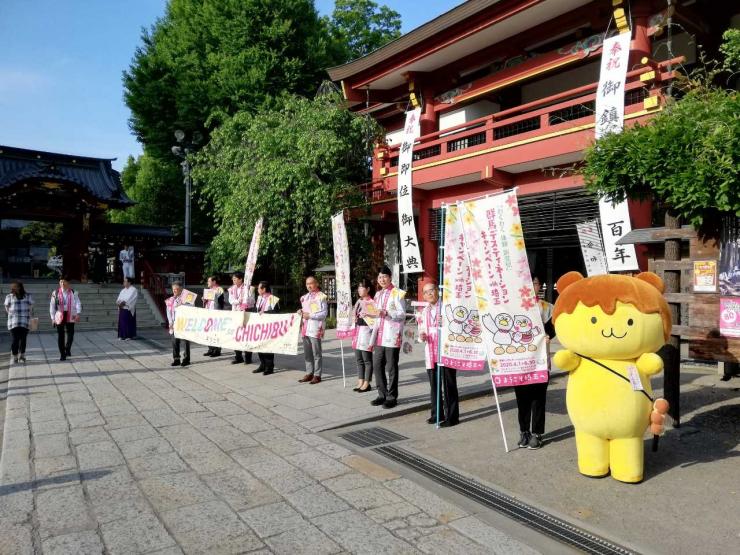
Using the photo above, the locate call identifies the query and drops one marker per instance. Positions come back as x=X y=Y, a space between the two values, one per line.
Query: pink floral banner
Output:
x=345 y=325
x=462 y=344
x=502 y=284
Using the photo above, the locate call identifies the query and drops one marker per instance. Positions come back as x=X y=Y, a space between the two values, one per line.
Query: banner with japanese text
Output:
x=502 y=284
x=410 y=255
x=461 y=336
x=615 y=220
x=254 y=248
x=345 y=325
x=592 y=248
x=240 y=331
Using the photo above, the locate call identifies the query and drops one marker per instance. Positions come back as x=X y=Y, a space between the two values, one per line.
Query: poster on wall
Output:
x=410 y=254
x=461 y=343
x=512 y=325
x=705 y=276
x=594 y=258
x=729 y=278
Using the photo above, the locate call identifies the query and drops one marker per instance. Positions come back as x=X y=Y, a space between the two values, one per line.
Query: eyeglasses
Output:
x=428 y=291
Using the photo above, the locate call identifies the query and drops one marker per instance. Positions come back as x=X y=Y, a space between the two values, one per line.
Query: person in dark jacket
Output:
x=266 y=303
x=217 y=302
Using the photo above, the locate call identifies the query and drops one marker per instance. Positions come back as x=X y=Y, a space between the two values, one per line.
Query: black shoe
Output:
x=208 y=354
x=448 y=423
x=355 y=389
x=185 y=362
x=175 y=363
x=725 y=378
x=268 y=372
x=369 y=388
x=248 y=360
x=236 y=361
x=535 y=442
x=432 y=420
x=524 y=439
x=258 y=370
x=63 y=357
x=377 y=402
x=69 y=352
x=389 y=404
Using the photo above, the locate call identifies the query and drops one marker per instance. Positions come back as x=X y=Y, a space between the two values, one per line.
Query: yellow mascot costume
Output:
x=610 y=326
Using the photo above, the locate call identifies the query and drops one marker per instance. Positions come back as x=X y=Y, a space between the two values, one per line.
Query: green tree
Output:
x=358 y=27
x=42 y=233
x=208 y=59
x=687 y=156
x=296 y=165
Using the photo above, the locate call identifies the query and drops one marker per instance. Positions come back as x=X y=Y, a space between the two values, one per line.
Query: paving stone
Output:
x=85 y=420
x=240 y=490
x=488 y=536
x=116 y=409
x=175 y=490
x=281 y=443
x=224 y=408
x=421 y=520
x=318 y=465
x=169 y=551
x=409 y=533
x=88 y=435
x=256 y=457
x=358 y=534
x=98 y=455
x=446 y=541
x=433 y=505
x=162 y=417
x=59 y=479
x=394 y=511
x=122 y=435
x=369 y=497
x=334 y=451
x=141 y=534
x=80 y=408
x=287 y=482
x=124 y=421
x=50 y=466
x=16 y=506
x=52 y=445
x=228 y=438
x=248 y=423
x=46 y=415
x=394 y=524
x=306 y=539
x=62 y=510
x=210 y=460
x=210 y=528
x=352 y=480
x=15 y=539
x=49 y=427
x=144 y=447
x=77 y=543
x=269 y=520
x=316 y=500
x=370 y=468
x=168 y=463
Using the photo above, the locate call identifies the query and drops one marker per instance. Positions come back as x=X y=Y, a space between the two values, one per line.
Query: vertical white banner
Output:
x=592 y=248
x=409 y=242
x=610 y=93
x=512 y=325
x=461 y=339
x=345 y=325
x=615 y=224
x=254 y=248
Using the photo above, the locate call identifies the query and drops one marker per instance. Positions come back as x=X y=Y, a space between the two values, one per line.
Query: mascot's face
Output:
x=460 y=313
x=522 y=324
x=504 y=322
x=583 y=323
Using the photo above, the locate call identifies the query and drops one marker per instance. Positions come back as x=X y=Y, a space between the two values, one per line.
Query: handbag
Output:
x=33 y=324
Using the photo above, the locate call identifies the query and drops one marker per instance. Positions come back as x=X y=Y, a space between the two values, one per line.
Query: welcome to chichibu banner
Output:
x=240 y=331
x=345 y=325
x=410 y=255
x=461 y=338
x=512 y=326
x=254 y=248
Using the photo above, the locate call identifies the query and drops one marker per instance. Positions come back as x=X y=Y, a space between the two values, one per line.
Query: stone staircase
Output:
x=99 y=310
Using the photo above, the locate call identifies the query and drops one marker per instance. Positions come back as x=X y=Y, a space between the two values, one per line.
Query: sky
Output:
x=60 y=73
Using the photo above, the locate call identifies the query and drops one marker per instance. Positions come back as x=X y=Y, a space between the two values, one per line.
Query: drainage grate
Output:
x=534 y=518
x=370 y=437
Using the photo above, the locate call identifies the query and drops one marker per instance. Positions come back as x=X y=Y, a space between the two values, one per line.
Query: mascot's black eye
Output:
x=593 y=319
x=630 y=322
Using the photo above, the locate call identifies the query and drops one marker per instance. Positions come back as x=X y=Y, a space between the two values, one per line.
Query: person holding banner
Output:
x=429 y=334
x=171 y=305
x=213 y=299
x=362 y=342
x=314 y=309
x=240 y=299
x=389 y=329
x=266 y=303
x=530 y=399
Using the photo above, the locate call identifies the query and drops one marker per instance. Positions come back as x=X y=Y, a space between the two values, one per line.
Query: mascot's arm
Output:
x=649 y=364
x=566 y=360
x=488 y=322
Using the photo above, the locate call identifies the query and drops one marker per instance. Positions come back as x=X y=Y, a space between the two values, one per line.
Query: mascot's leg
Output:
x=593 y=455
x=626 y=459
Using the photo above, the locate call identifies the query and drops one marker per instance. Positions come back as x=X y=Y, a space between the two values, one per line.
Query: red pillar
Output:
x=428 y=121
x=641 y=44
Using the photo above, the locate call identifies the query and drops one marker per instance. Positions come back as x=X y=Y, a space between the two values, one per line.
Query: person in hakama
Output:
x=240 y=299
x=266 y=303
x=171 y=305
x=314 y=310
x=127 y=310
x=429 y=333
x=65 y=309
x=216 y=303
x=362 y=342
x=389 y=328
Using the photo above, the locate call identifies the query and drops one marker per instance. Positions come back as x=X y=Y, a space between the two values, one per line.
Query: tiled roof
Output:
x=95 y=175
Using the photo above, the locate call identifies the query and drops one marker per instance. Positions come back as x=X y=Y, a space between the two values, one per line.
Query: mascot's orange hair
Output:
x=645 y=293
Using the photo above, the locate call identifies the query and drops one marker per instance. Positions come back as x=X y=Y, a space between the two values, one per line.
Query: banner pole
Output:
x=460 y=209
x=344 y=377
x=440 y=293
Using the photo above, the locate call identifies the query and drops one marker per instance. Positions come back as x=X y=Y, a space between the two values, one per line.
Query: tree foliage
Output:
x=296 y=165
x=358 y=27
x=42 y=233
x=687 y=156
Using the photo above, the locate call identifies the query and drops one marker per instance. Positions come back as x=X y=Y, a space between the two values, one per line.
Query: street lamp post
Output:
x=182 y=150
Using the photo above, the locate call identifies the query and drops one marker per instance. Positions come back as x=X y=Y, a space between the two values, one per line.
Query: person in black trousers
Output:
x=266 y=303
x=171 y=305
x=530 y=399
x=217 y=303
x=64 y=309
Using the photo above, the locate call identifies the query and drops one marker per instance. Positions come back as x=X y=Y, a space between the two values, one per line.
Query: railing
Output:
x=156 y=285
x=547 y=115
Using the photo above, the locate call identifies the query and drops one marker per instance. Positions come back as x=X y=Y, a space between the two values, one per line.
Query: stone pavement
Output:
x=114 y=451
